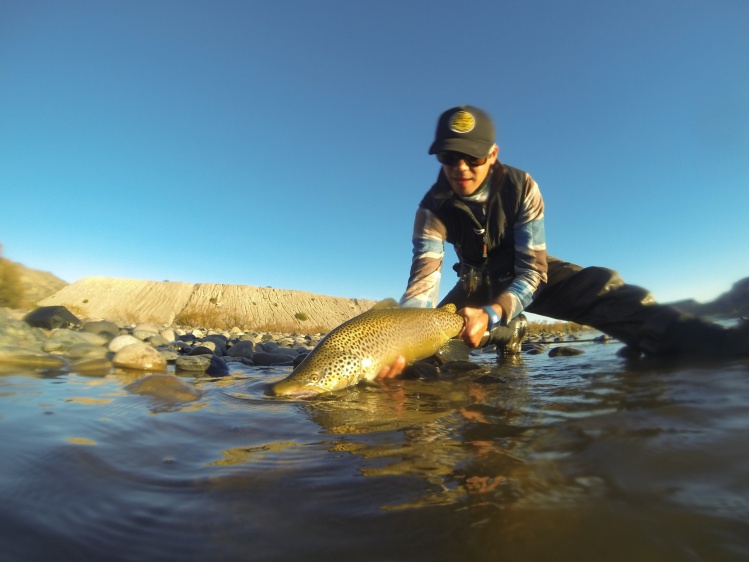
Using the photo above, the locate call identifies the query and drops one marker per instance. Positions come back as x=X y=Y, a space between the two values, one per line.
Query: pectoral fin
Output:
x=453 y=350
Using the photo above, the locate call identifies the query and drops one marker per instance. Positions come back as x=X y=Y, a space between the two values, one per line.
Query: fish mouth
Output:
x=291 y=390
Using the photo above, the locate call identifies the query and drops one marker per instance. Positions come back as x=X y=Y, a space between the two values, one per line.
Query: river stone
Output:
x=92 y=365
x=168 y=354
x=534 y=349
x=143 y=334
x=51 y=317
x=565 y=351
x=269 y=346
x=218 y=367
x=250 y=337
x=24 y=357
x=188 y=339
x=208 y=344
x=219 y=341
x=241 y=349
x=95 y=339
x=301 y=357
x=62 y=340
x=165 y=387
x=156 y=340
x=178 y=346
x=104 y=328
x=208 y=364
x=243 y=360
x=201 y=350
x=139 y=356
x=87 y=350
x=421 y=370
x=122 y=341
x=52 y=346
x=197 y=363
x=264 y=358
x=147 y=327
x=168 y=334
x=18 y=333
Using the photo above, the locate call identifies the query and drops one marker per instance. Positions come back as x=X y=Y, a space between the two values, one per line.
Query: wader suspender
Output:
x=479 y=230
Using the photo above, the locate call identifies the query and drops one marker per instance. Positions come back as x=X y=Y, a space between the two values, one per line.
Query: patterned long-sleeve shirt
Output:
x=430 y=234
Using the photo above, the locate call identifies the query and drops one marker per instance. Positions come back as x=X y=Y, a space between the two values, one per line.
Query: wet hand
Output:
x=392 y=371
x=476 y=323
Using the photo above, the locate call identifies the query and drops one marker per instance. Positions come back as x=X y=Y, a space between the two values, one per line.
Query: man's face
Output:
x=464 y=173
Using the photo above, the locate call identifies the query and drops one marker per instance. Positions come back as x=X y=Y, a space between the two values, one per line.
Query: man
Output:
x=493 y=214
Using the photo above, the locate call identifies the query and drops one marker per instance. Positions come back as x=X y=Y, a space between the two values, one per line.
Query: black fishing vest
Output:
x=489 y=246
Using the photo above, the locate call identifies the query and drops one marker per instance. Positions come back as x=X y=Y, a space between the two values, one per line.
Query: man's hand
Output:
x=394 y=370
x=476 y=324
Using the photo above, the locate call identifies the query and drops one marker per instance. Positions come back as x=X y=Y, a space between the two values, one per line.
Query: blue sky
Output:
x=285 y=143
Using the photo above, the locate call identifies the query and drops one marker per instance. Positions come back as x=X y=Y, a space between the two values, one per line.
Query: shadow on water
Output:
x=587 y=457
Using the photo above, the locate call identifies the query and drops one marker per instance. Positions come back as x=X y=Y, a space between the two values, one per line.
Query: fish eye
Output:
x=314 y=378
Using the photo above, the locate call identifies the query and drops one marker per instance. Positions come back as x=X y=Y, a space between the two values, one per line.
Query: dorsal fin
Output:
x=449 y=307
x=387 y=303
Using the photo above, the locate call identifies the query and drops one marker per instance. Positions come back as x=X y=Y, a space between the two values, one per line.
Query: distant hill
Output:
x=101 y=297
x=734 y=302
x=37 y=285
x=205 y=304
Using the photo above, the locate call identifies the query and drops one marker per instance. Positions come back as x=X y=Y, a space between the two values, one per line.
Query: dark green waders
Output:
x=598 y=297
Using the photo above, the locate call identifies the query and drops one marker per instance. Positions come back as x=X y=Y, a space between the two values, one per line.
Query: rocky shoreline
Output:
x=101 y=346
x=63 y=343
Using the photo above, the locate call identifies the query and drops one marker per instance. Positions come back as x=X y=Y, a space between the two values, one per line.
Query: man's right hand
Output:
x=392 y=371
x=476 y=323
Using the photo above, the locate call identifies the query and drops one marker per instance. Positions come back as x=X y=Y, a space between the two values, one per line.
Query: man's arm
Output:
x=530 y=254
x=530 y=267
x=428 y=239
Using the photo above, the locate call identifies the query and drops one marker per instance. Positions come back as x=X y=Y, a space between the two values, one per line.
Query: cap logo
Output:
x=462 y=122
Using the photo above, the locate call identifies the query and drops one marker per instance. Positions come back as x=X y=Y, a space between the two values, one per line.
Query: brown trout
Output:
x=357 y=349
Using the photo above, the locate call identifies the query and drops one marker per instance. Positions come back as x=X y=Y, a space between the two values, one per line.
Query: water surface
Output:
x=579 y=458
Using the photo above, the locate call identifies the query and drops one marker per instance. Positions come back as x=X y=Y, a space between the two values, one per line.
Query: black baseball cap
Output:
x=465 y=129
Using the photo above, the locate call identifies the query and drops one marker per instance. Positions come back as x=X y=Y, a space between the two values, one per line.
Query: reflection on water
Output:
x=585 y=457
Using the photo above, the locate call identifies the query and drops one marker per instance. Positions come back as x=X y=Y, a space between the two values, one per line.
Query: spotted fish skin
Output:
x=357 y=349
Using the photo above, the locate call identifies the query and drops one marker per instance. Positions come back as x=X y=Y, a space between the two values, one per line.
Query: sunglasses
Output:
x=452 y=158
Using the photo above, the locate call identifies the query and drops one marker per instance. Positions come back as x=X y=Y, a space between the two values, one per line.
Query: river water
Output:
x=590 y=457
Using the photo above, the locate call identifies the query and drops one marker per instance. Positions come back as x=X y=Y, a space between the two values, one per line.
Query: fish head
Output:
x=318 y=374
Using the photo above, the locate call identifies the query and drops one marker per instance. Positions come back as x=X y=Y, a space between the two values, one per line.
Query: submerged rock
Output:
x=92 y=365
x=564 y=351
x=165 y=387
x=23 y=357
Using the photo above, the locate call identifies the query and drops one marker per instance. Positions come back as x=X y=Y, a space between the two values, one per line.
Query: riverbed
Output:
x=589 y=457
